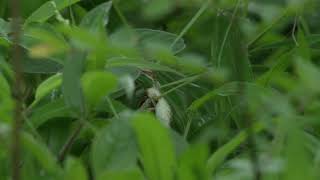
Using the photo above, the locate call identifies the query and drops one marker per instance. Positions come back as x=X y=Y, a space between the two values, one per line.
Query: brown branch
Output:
x=67 y=146
x=16 y=90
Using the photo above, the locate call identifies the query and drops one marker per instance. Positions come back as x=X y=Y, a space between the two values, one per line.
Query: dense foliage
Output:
x=160 y=90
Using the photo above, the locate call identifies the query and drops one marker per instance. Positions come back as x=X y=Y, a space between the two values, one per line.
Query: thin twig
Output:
x=70 y=141
x=16 y=91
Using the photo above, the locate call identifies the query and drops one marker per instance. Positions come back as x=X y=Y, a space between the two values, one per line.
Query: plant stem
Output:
x=227 y=33
x=113 y=109
x=268 y=28
x=67 y=146
x=192 y=21
x=16 y=91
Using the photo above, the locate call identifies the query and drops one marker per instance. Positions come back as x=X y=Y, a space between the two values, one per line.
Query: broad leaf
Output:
x=97 y=85
x=41 y=153
x=97 y=18
x=229 y=50
x=74 y=169
x=228 y=89
x=217 y=158
x=71 y=84
x=48 y=10
x=127 y=62
x=192 y=164
x=157 y=151
x=47 y=86
x=165 y=38
x=114 y=148
x=44 y=112
x=6 y=103
x=121 y=175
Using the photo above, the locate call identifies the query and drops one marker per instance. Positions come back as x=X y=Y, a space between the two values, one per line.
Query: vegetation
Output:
x=159 y=89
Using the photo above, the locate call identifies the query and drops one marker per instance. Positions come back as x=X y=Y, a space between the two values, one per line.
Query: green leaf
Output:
x=97 y=85
x=71 y=84
x=97 y=18
x=308 y=74
x=47 y=86
x=229 y=50
x=180 y=144
x=114 y=148
x=41 y=153
x=141 y=64
x=228 y=89
x=74 y=169
x=303 y=46
x=121 y=175
x=84 y=39
x=3 y=7
x=218 y=157
x=5 y=88
x=147 y=36
x=48 y=10
x=6 y=103
x=4 y=28
x=283 y=62
x=155 y=9
x=44 y=112
x=310 y=39
x=40 y=66
x=157 y=151
x=297 y=156
x=6 y=69
x=192 y=164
